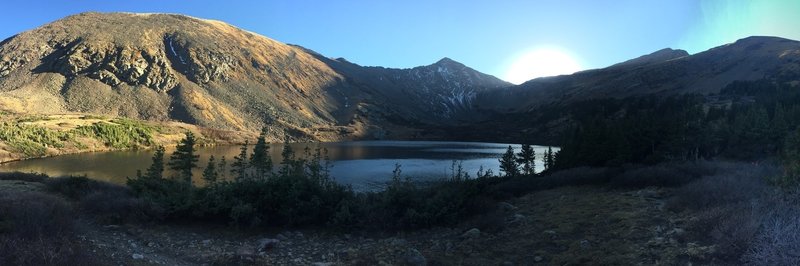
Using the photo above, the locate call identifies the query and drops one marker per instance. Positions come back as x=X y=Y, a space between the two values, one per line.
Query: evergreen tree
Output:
x=239 y=164
x=508 y=163
x=526 y=158
x=210 y=174
x=260 y=159
x=156 y=169
x=222 y=168
x=288 y=162
x=548 y=158
x=184 y=159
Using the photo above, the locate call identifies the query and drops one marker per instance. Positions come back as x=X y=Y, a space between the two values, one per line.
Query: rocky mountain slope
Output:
x=173 y=67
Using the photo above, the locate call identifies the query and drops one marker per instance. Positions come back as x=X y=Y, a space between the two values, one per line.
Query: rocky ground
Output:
x=564 y=226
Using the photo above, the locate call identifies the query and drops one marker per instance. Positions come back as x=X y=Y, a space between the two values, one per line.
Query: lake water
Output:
x=360 y=163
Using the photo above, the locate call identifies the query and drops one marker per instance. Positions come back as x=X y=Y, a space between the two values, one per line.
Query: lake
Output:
x=359 y=163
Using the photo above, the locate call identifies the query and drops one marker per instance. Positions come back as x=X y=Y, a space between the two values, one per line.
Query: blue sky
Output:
x=486 y=35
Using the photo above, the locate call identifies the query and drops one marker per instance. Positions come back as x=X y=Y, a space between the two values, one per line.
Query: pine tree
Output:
x=508 y=163
x=210 y=174
x=222 y=168
x=156 y=169
x=548 y=158
x=239 y=164
x=260 y=159
x=184 y=159
x=288 y=162
x=526 y=158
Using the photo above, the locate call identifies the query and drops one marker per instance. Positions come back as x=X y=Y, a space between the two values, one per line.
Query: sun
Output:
x=541 y=62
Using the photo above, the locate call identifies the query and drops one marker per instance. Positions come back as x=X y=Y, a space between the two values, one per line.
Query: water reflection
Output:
x=356 y=163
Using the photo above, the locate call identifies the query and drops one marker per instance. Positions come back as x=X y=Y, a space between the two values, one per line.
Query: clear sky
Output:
x=511 y=39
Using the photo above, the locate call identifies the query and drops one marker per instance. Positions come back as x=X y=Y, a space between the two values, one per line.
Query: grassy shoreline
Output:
x=82 y=133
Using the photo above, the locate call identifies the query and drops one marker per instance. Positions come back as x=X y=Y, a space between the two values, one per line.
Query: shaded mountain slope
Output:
x=661 y=73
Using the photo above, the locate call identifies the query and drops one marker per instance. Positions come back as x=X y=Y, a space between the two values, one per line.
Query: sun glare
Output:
x=541 y=62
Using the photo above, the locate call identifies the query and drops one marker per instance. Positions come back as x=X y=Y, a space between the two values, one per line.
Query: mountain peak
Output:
x=446 y=61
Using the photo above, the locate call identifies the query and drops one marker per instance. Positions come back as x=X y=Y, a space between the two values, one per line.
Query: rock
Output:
x=282 y=237
x=245 y=251
x=471 y=233
x=206 y=242
x=137 y=256
x=399 y=242
x=265 y=244
x=537 y=258
x=677 y=232
x=414 y=257
x=585 y=244
x=517 y=219
x=507 y=207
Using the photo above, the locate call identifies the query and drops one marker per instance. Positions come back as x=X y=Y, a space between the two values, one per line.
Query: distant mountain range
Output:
x=164 y=67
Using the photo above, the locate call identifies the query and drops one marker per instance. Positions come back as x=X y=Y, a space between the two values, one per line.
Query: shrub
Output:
x=35 y=214
x=731 y=186
x=56 y=250
x=32 y=140
x=120 y=134
x=77 y=187
x=115 y=207
x=568 y=177
x=657 y=175
x=729 y=206
x=38 y=229
x=735 y=229
x=778 y=241
x=29 y=177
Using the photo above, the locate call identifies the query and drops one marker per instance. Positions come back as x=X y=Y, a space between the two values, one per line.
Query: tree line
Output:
x=746 y=120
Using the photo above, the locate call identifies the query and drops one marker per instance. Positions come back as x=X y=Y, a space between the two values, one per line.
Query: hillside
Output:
x=164 y=67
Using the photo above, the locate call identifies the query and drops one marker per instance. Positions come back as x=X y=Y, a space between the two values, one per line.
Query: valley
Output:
x=213 y=144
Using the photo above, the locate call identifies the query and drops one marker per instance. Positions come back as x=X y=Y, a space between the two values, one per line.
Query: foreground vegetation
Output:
x=742 y=211
x=732 y=209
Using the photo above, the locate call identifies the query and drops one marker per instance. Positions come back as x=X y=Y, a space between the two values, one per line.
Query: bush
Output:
x=657 y=175
x=38 y=229
x=28 y=177
x=730 y=186
x=56 y=250
x=35 y=214
x=735 y=229
x=120 y=134
x=32 y=140
x=116 y=207
x=77 y=187
x=512 y=187
x=729 y=206
x=778 y=241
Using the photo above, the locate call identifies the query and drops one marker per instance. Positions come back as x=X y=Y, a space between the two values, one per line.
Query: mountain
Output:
x=664 y=72
x=172 y=67
x=166 y=67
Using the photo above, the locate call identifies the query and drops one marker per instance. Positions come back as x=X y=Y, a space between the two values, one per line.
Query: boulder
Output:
x=414 y=258
x=471 y=233
x=265 y=244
